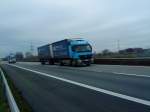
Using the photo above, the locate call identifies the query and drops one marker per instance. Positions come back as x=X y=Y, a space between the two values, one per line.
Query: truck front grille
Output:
x=85 y=57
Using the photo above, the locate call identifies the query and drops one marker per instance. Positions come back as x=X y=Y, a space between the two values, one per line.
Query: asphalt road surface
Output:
x=99 y=88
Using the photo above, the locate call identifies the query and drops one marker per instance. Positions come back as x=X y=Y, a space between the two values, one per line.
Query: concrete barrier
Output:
x=123 y=61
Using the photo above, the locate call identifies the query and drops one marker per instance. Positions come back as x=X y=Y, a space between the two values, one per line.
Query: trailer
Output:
x=69 y=51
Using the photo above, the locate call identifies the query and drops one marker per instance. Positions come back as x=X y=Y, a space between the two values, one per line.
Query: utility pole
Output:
x=118 y=45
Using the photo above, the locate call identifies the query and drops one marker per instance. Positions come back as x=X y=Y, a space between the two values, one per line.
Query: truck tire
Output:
x=88 y=64
x=61 y=63
x=43 y=62
x=71 y=62
x=75 y=63
x=51 y=62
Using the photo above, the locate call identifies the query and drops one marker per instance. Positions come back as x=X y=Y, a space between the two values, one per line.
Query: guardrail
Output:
x=11 y=101
x=123 y=61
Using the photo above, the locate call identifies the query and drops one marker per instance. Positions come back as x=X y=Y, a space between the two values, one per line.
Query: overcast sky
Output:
x=102 y=22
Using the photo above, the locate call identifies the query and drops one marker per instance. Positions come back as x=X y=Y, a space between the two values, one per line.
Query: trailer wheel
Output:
x=61 y=63
x=71 y=63
x=51 y=62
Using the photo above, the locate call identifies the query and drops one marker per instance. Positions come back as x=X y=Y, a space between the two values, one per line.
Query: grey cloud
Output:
x=102 y=22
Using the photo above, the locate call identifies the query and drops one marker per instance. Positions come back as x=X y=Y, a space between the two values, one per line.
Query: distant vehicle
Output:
x=69 y=51
x=11 y=58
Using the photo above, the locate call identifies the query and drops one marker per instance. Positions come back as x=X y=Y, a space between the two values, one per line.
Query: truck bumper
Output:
x=86 y=61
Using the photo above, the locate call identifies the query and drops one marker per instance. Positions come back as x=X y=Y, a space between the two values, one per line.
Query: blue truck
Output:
x=68 y=51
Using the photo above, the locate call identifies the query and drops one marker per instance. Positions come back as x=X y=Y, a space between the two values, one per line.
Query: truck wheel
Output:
x=70 y=63
x=51 y=62
x=75 y=63
x=61 y=63
x=43 y=63
x=88 y=64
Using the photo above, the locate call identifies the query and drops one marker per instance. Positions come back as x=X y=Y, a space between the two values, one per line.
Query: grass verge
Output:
x=21 y=102
x=3 y=103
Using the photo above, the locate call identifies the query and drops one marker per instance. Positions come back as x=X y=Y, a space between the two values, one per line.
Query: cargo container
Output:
x=69 y=51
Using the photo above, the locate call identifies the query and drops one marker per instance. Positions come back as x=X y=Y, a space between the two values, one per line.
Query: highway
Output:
x=99 y=88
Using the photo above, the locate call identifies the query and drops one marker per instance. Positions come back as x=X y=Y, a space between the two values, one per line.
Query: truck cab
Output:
x=81 y=51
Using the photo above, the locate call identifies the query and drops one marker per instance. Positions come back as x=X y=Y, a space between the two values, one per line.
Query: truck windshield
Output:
x=82 y=48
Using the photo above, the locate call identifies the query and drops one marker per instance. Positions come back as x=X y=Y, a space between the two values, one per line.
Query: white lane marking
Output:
x=148 y=76
x=117 y=73
x=127 y=66
x=130 y=98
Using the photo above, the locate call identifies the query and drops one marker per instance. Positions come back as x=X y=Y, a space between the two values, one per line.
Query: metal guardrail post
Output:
x=11 y=101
